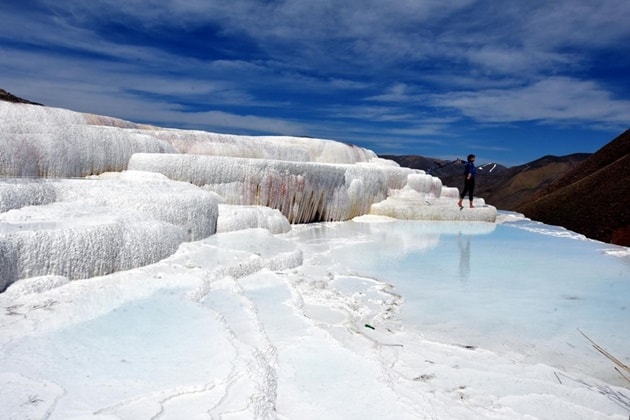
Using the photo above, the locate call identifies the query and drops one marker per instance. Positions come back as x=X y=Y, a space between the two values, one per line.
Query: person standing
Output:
x=469 y=181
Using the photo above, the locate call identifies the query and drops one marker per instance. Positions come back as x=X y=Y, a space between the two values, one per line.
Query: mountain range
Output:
x=586 y=193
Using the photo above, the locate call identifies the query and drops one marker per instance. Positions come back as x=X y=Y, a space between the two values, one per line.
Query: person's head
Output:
x=471 y=158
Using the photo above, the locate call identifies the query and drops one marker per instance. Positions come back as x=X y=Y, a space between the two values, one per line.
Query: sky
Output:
x=509 y=81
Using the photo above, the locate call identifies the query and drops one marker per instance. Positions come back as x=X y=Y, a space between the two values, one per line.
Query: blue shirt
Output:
x=470 y=169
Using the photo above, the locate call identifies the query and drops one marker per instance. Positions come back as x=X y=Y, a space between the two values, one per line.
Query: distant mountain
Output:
x=519 y=184
x=593 y=198
x=9 y=97
x=504 y=188
x=586 y=193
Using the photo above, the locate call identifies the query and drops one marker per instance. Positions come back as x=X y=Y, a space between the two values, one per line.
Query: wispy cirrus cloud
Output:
x=361 y=70
x=554 y=99
x=242 y=124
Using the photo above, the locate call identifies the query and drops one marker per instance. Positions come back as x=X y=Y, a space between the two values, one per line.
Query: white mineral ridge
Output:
x=84 y=228
x=302 y=191
x=233 y=218
x=408 y=204
x=306 y=179
x=39 y=141
x=142 y=181
x=298 y=149
x=60 y=239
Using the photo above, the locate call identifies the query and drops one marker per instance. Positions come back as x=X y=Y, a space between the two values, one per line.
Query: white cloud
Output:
x=518 y=60
x=237 y=123
x=500 y=63
x=399 y=92
x=553 y=99
x=578 y=23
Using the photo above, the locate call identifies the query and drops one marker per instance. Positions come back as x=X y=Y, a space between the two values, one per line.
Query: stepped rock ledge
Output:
x=91 y=182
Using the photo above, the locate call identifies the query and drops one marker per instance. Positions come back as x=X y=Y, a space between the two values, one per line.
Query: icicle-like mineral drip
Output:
x=302 y=191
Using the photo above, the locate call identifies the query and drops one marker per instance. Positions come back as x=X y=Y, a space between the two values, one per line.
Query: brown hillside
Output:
x=608 y=154
x=593 y=198
x=9 y=97
x=504 y=188
x=522 y=183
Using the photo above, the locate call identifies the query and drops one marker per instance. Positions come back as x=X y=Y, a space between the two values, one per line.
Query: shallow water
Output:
x=519 y=287
x=334 y=320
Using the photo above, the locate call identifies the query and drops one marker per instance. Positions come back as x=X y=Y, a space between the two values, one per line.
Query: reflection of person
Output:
x=469 y=181
x=464 y=256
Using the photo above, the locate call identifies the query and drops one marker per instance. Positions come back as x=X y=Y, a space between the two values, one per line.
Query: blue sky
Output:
x=510 y=81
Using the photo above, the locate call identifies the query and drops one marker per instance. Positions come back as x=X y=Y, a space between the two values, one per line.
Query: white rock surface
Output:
x=99 y=226
x=38 y=141
x=408 y=204
x=232 y=218
x=298 y=149
x=16 y=193
x=59 y=239
x=303 y=191
x=138 y=204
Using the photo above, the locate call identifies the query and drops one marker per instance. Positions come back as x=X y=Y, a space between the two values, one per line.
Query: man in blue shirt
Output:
x=469 y=181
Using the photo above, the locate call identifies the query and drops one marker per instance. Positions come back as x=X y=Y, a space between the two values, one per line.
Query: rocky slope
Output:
x=593 y=198
x=9 y=97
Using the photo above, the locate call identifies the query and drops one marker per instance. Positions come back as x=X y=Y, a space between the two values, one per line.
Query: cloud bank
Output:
x=356 y=71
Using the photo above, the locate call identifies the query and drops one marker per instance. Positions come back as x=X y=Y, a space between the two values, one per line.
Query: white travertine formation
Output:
x=450 y=192
x=232 y=218
x=39 y=141
x=190 y=208
x=298 y=149
x=408 y=204
x=70 y=150
x=61 y=239
x=99 y=226
x=193 y=210
x=426 y=184
x=16 y=193
x=133 y=211
x=303 y=191
x=35 y=285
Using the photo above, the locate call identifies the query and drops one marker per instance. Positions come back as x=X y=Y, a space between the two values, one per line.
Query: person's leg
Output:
x=471 y=190
x=463 y=193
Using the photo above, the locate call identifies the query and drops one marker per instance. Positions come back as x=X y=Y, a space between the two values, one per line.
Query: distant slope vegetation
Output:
x=593 y=198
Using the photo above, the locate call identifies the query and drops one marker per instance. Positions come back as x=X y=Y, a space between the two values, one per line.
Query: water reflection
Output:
x=464 y=256
x=521 y=294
